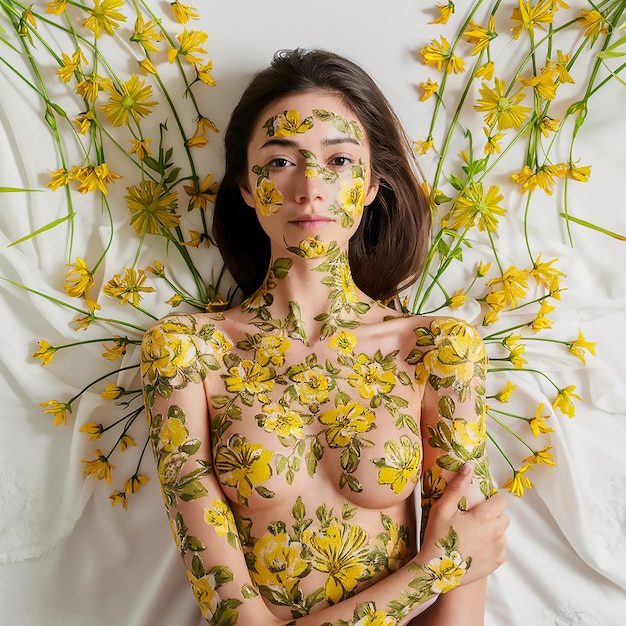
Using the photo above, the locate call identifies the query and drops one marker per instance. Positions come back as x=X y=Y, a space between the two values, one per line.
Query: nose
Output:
x=310 y=185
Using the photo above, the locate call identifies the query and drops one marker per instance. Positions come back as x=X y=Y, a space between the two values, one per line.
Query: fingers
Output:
x=457 y=488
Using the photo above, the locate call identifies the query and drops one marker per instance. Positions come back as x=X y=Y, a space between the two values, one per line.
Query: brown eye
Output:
x=280 y=163
x=341 y=161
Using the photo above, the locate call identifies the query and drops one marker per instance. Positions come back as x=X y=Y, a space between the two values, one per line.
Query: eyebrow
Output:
x=291 y=143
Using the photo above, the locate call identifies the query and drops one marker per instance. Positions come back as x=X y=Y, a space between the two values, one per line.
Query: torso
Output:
x=317 y=448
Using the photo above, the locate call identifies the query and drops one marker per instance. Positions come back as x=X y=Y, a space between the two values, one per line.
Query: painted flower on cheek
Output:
x=351 y=200
x=268 y=197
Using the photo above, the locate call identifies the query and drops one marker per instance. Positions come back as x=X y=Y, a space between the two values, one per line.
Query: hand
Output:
x=480 y=530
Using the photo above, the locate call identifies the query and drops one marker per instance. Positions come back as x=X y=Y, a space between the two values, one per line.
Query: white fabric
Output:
x=67 y=557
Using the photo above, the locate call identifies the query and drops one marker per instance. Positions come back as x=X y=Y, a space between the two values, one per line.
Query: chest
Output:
x=341 y=416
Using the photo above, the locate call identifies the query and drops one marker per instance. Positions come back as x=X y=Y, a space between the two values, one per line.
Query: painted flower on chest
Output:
x=271 y=350
x=370 y=378
x=250 y=377
x=312 y=384
x=244 y=465
x=341 y=551
x=278 y=562
x=285 y=423
x=345 y=422
x=400 y=465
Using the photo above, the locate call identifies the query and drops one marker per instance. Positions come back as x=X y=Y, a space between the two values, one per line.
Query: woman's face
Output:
x=308 y=173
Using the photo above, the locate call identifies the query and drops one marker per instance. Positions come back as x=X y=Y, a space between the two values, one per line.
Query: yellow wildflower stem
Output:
x=500 y=450
x=587 y=224
x=507 y=428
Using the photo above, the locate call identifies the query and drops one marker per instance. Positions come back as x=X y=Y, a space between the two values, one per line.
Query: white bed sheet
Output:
x=67 y=557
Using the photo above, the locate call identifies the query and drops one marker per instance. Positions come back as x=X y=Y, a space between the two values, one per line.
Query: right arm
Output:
x=176 y=356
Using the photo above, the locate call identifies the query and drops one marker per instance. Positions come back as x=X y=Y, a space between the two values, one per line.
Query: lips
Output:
x=311 y=222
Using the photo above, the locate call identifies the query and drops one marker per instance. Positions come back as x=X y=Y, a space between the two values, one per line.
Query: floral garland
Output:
x=110 y=127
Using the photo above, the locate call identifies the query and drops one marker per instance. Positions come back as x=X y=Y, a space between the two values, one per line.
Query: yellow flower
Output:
x=547 y=125
x=422 y=147
x=100 y=468
x=92 y=178
x=287 y=124
x=439 y=54
x=370 y=378
x=581 y=174
x=537 y=424
x=271 y=349
x=78 y=279
x=560 y=67
x=496 y=300
x=529 y=16
x=104 y=16
x=429 y=88
x=312 y=248
x=468 y=435
x=541 y=321
x=474 y=206
x=505 y=393
x=268 y=197
x=543 y=83
x=563 y=401
x=146 y=66
x=445 y=11
x=479 y=35
x=502 y=110
x=492 y=145
x=190 y=42
x=285 y=423
x=113 y=392
x=119 y=497
x=457 y=299
x=93 y=429
x=342 y=553
x=518 y=482
x=146 y=33
x=433 y=485
x=514 y=284
x=133 y=484
x=515 y=350
x=184 y=12
x=58 y=409
x=221 y=517
x=485 y=71
x=250 y=377
x=85 y=121
x=200 y=194
x=345 y=422
x=371 y=616
x=45 y=353
x=401 y=464
x=205 y=590
x=204 y=73
x=141 y=147
x=544 y=177
x=543 y=273
x=459 y=353
x=117 y=350
x=278 y=562
x=56 y=6
x=446 y=571
x=343 y=342
x=152 y=207
x=59 y=178
x=243 y=465
x=577 y=347
x=131 y=98
x=172 y=434
x=539 y=457
x=351 y=198
x=594 y=23
x=483 y=269
x=312 y=386
x=88 y=88
x=70 y=65
x=128 y=288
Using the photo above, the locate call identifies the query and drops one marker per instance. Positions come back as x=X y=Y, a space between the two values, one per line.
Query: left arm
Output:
x=453 y=429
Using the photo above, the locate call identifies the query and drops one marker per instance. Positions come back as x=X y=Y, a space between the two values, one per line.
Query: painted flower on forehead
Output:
x=287 y=124
x=268 y=198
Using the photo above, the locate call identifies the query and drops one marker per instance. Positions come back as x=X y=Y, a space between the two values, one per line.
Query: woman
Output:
x=291 y=432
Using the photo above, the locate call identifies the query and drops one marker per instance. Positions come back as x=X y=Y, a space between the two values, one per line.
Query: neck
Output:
x=306 y=298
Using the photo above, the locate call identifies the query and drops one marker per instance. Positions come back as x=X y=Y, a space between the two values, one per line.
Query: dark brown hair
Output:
x=387 y=250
